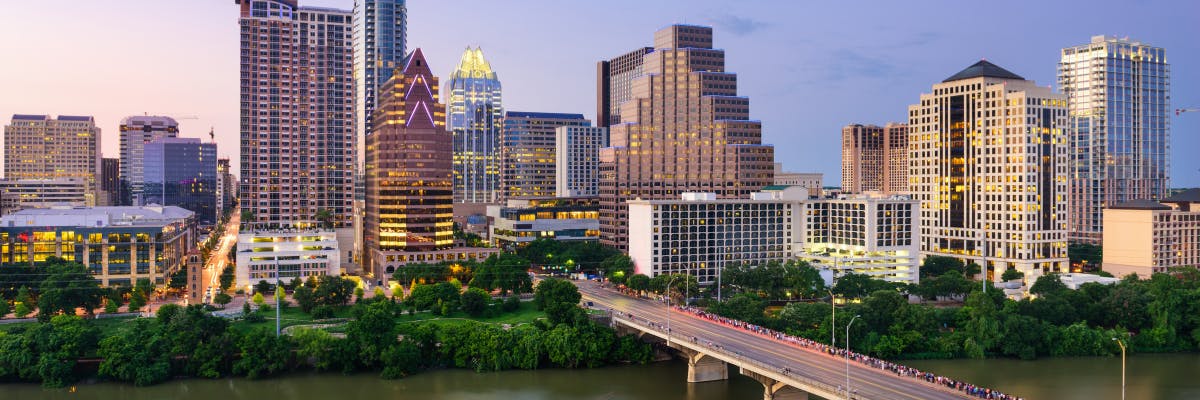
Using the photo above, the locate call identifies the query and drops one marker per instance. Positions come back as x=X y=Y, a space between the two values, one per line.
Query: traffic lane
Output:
x=865 y=380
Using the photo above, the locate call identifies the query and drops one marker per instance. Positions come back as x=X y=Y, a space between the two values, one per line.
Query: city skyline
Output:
x=867 y=75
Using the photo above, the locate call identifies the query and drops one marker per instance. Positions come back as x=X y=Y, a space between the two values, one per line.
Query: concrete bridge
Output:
x=786 y=371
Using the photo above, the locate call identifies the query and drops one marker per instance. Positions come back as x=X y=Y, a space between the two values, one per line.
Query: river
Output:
x=1151 y=377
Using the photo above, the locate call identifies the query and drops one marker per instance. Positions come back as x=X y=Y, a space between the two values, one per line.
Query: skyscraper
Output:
x=1119 y=101
x=577 y=160
x=297 y=114
x=135 y=132
x=988 y=162
x=874 y=158
x=182 y=172
x=409 y=190
x=527 y=152
x=685 y=129
x=110 y=182
x=475 y=113
x=380 y=33
x=40 y=147
x=225 y=184
x=614 y=84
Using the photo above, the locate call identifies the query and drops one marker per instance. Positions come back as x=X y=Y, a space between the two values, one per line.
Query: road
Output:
x=220 y=257
x=867 y=382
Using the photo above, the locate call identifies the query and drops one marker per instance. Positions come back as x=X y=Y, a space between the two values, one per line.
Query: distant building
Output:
x=577 y=160
x=135 y=132
x=700 y=234
x=1145 y=237
x=43 y=193
x=684 y=129
x=528 y=152
x=39 y=147
x=226 y=186
x=812 y=181
x=380 y=40
x=525 y=220
x=286 y=255
x=195 y=268
x=1119 y=128
x=875 y=159
x=111 y=189
x=988 y=162
x=182 y=172
x=614 y=84
x=119 y=245
x=474 y=113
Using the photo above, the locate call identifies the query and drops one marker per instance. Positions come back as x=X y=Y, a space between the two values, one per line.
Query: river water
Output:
x=1151 y=377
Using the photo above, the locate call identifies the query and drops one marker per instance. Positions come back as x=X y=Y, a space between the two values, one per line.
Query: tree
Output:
x=325 y=217
x=1048 y=285
x=372 y=331
x=400 y=360
x=617 y=267
x=22 y=305
x=69 y=286
x=507 y=272
x=4 y=307
x=1012 y=274
x=264 y=287
x=559 y=299
x=857 y=286
x=742 y=306
x=138 y=355
x=263 y=354
x=638 y=282
x=178 y=279
x=258 y=299
x=937 y=265
x=222 y=299
x=227 y=277
x=58 y=345
x=314 y=345
x=475 y=301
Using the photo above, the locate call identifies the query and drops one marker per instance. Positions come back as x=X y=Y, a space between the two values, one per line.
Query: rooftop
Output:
x=983 y=68
x=541 y=115
x=152 y=215
x=1187 y=196
x=1140 y=205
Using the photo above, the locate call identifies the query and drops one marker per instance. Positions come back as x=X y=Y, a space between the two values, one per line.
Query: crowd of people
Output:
x=899 y=370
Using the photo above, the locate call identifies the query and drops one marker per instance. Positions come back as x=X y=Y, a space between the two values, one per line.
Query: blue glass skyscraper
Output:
x=474 y=115
x=182 y=172
x=380 y=32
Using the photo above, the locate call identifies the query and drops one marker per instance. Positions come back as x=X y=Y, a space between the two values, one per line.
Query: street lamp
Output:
x=1122 y=344
x=669 y=283
x=848 y=355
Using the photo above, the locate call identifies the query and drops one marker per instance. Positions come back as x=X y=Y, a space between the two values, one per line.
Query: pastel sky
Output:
x=808 y=67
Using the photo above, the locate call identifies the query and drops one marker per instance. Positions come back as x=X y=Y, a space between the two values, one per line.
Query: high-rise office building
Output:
x=297 y=114
x=875 y=158
x=685 y=129
x=577 y=160
x=225 y=184
x=527 y=152
x=182 y=172
x=380 y=34
x=110 y=182
x=988 y=159
x=409 y=190
x=614 y=84
x=1119 y=127
x=40 y=147
x=475 y=112
x=135 y=132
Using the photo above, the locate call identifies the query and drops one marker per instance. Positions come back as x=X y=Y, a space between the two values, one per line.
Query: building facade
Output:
x=685 y=129
x=119 y=245
x=225 y=187
x=181 y=172
x=875 y=158
x=285 y=255
x=42 y=193
x=988 y=162
x=135 y=132
x=39 y=147
x=475 y=112
x=1119 y=126
x=527 y=153
x=380 y=37
x=111 y=190
x=865 y=235
x=1146 y=237
x=614 y=84
x=812 y=181
x=577 y=160
x=297 y=114
x=525 y=220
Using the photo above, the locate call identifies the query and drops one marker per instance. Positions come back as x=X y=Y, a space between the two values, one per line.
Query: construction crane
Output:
x=1186 y=110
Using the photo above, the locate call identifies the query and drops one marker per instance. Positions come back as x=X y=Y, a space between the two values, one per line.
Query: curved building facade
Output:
x=475 y=117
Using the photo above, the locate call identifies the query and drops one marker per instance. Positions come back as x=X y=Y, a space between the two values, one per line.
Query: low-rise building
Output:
x=119 y=245
x=1145 y=237
x=43 y=193
x=286 y=255
x=809 y=180
x=563 y=218
x=701 y=235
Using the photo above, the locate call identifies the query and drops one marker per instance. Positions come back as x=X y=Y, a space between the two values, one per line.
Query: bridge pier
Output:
x=702 y=367
x=776 y=390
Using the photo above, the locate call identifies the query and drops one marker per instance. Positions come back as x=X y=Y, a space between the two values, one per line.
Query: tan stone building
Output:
x=874 y=158
x=1144 y=237
x=37 y=147
x=988 y=162
x=684 y=129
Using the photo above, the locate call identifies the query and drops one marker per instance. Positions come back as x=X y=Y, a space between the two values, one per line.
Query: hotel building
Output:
x=39 y=147
x=988 y=162
x=614 y=84
x=527 y=152
x=875 y=159
x=1144 y=237
x=577 y=160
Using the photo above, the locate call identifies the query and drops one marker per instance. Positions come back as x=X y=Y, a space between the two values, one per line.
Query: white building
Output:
x=299 y=253
x=525 y=220
x=1145 y=237
x=809 y=180
x=988 y=163
x=699 y=234
x=577 y=160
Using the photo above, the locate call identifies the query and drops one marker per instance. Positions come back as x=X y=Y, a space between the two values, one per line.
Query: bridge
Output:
x=786 y=371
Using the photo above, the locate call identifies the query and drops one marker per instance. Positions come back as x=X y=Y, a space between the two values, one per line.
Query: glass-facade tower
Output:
x=475 y=115
x=380 y=33
x=1119 y=127
x=182 y=172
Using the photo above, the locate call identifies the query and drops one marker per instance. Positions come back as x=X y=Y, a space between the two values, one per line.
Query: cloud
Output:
x=737 y=25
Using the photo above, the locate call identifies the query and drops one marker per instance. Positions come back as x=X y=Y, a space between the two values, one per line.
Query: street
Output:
x=219 y=259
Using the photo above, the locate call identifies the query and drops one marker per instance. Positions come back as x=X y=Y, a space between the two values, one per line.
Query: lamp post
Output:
x=669 y=283
x=1122 y=344
x=848 y=355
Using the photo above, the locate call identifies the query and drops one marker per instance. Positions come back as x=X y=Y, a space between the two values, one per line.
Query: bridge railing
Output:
x=716 y=348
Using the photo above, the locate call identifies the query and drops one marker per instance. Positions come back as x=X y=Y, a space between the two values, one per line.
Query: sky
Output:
x=809 y=68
